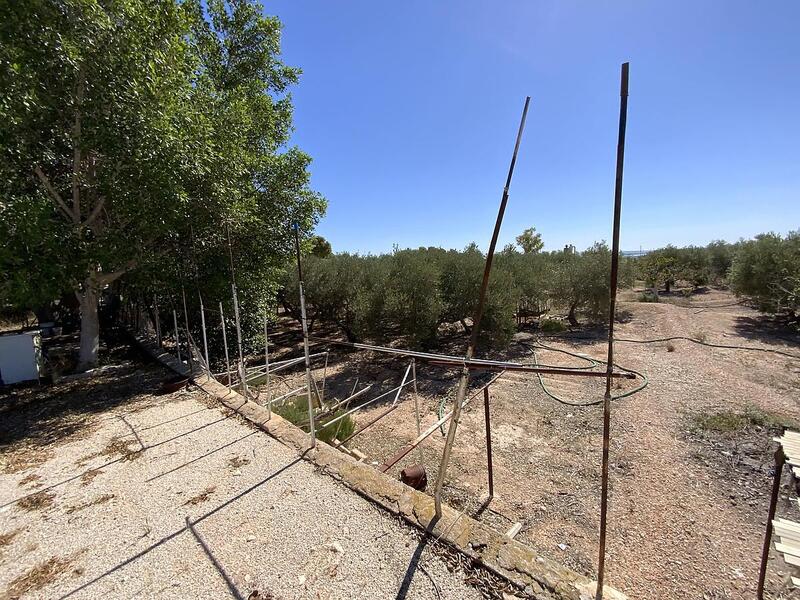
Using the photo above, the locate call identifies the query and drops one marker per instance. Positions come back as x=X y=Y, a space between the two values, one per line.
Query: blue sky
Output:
x=409 y=110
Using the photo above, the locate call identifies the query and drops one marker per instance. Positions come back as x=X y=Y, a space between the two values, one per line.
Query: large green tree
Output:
x=140 y=136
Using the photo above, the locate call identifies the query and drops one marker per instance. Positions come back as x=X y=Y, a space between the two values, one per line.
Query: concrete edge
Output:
x=521 y=565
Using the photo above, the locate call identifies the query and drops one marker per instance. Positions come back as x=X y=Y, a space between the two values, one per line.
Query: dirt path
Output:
x=108 y=491
x=687 y=507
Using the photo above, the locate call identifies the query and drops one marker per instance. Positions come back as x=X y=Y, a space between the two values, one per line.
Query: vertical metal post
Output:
x=266 y=365
x=177 y=338
x=158 y=320
x=225 y=344
x=242 y=371
x=416 y=406
x=188 y=333
x=205 y=338
x=780 y=459
x=324 y=377
x=488 y=440
x=309 y=386
x=461 y=392
x=612 y=300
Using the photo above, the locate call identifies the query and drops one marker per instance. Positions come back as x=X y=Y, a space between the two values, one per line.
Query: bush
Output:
x=767 y=270
x=552 y=326
x=648 y=296
x=295 y=410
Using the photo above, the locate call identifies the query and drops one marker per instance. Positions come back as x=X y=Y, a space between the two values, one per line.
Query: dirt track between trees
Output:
x=687 y=505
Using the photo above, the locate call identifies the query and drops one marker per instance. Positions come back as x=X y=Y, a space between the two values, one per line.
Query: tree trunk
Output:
x=571 y=316
x=90 y=325
x=667 y=286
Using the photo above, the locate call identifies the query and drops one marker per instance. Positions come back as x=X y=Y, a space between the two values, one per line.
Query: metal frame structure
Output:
x=466 y=363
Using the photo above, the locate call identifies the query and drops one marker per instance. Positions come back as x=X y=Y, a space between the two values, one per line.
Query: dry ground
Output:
x=688 y=505
x=110 y=491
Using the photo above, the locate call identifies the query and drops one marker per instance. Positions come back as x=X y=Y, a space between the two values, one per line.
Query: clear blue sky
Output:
x=409 y=110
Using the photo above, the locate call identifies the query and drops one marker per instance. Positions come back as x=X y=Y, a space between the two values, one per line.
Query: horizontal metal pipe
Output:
x=476 y=363
x=292 y=393
x=359 y=407
x=348 y=399
x=400 y=454
x=529 y=369
x=372 y=422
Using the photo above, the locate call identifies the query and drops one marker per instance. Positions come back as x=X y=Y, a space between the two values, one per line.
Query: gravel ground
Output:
x=108 y=491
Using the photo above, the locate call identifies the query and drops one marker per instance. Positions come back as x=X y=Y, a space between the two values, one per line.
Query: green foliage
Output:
x=320 y=247
x=730 y=422
x=767 y=270
x=552 y=326
x=131 y=131
x=295 y=410
x=530 y=241
x=411 y=293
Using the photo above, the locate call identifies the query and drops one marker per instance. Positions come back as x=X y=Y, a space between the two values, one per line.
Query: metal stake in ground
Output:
x=225 y=344
x=309 y=385
x=158 y=320
x=266 y=365
x=242 y=372
x=188 y=335
x=488 y=440
x=476 y=323
x=612 y=300
x=205 y=339
x=177 y=338
x=780 y=461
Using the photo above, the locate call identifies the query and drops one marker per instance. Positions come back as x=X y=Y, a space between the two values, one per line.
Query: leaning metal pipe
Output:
x=400 y=454
x=623 y=117
x=476 y=323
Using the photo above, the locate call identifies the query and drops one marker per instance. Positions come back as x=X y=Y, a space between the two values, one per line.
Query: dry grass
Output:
x=237 y=462
x=89 y=476
x=201 y=497
x=730 y=422
x=116 y=448
x=7 y=538
x=32 y=478
x=38 y=577
x=99 y=500
x=37 y=501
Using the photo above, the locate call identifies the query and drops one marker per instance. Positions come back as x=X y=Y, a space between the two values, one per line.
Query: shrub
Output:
x=552 y=326
x=295 y=410
x=648 y=296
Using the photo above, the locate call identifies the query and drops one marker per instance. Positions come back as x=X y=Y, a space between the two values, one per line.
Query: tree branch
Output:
x=98 y=207
x=106 y=278
x=76 y=143
x=54 y=194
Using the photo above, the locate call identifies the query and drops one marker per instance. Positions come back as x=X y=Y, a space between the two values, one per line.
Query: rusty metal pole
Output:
x=188 y=334
x=488 y=440
x=158 y=320
x=476 y=323
x=612 y=300
x=225 y=344
x=266 y=365
x=780 y=459
x=205 y=337
x=309 y=385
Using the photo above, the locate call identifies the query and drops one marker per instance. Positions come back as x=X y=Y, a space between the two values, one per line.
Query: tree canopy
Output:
x=138 y=138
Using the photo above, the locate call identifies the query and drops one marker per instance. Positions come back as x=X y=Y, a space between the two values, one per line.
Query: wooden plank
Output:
x=796 y=582
x=789 y=551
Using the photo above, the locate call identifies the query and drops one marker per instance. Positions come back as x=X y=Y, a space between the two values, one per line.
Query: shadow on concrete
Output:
x=178 y=532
